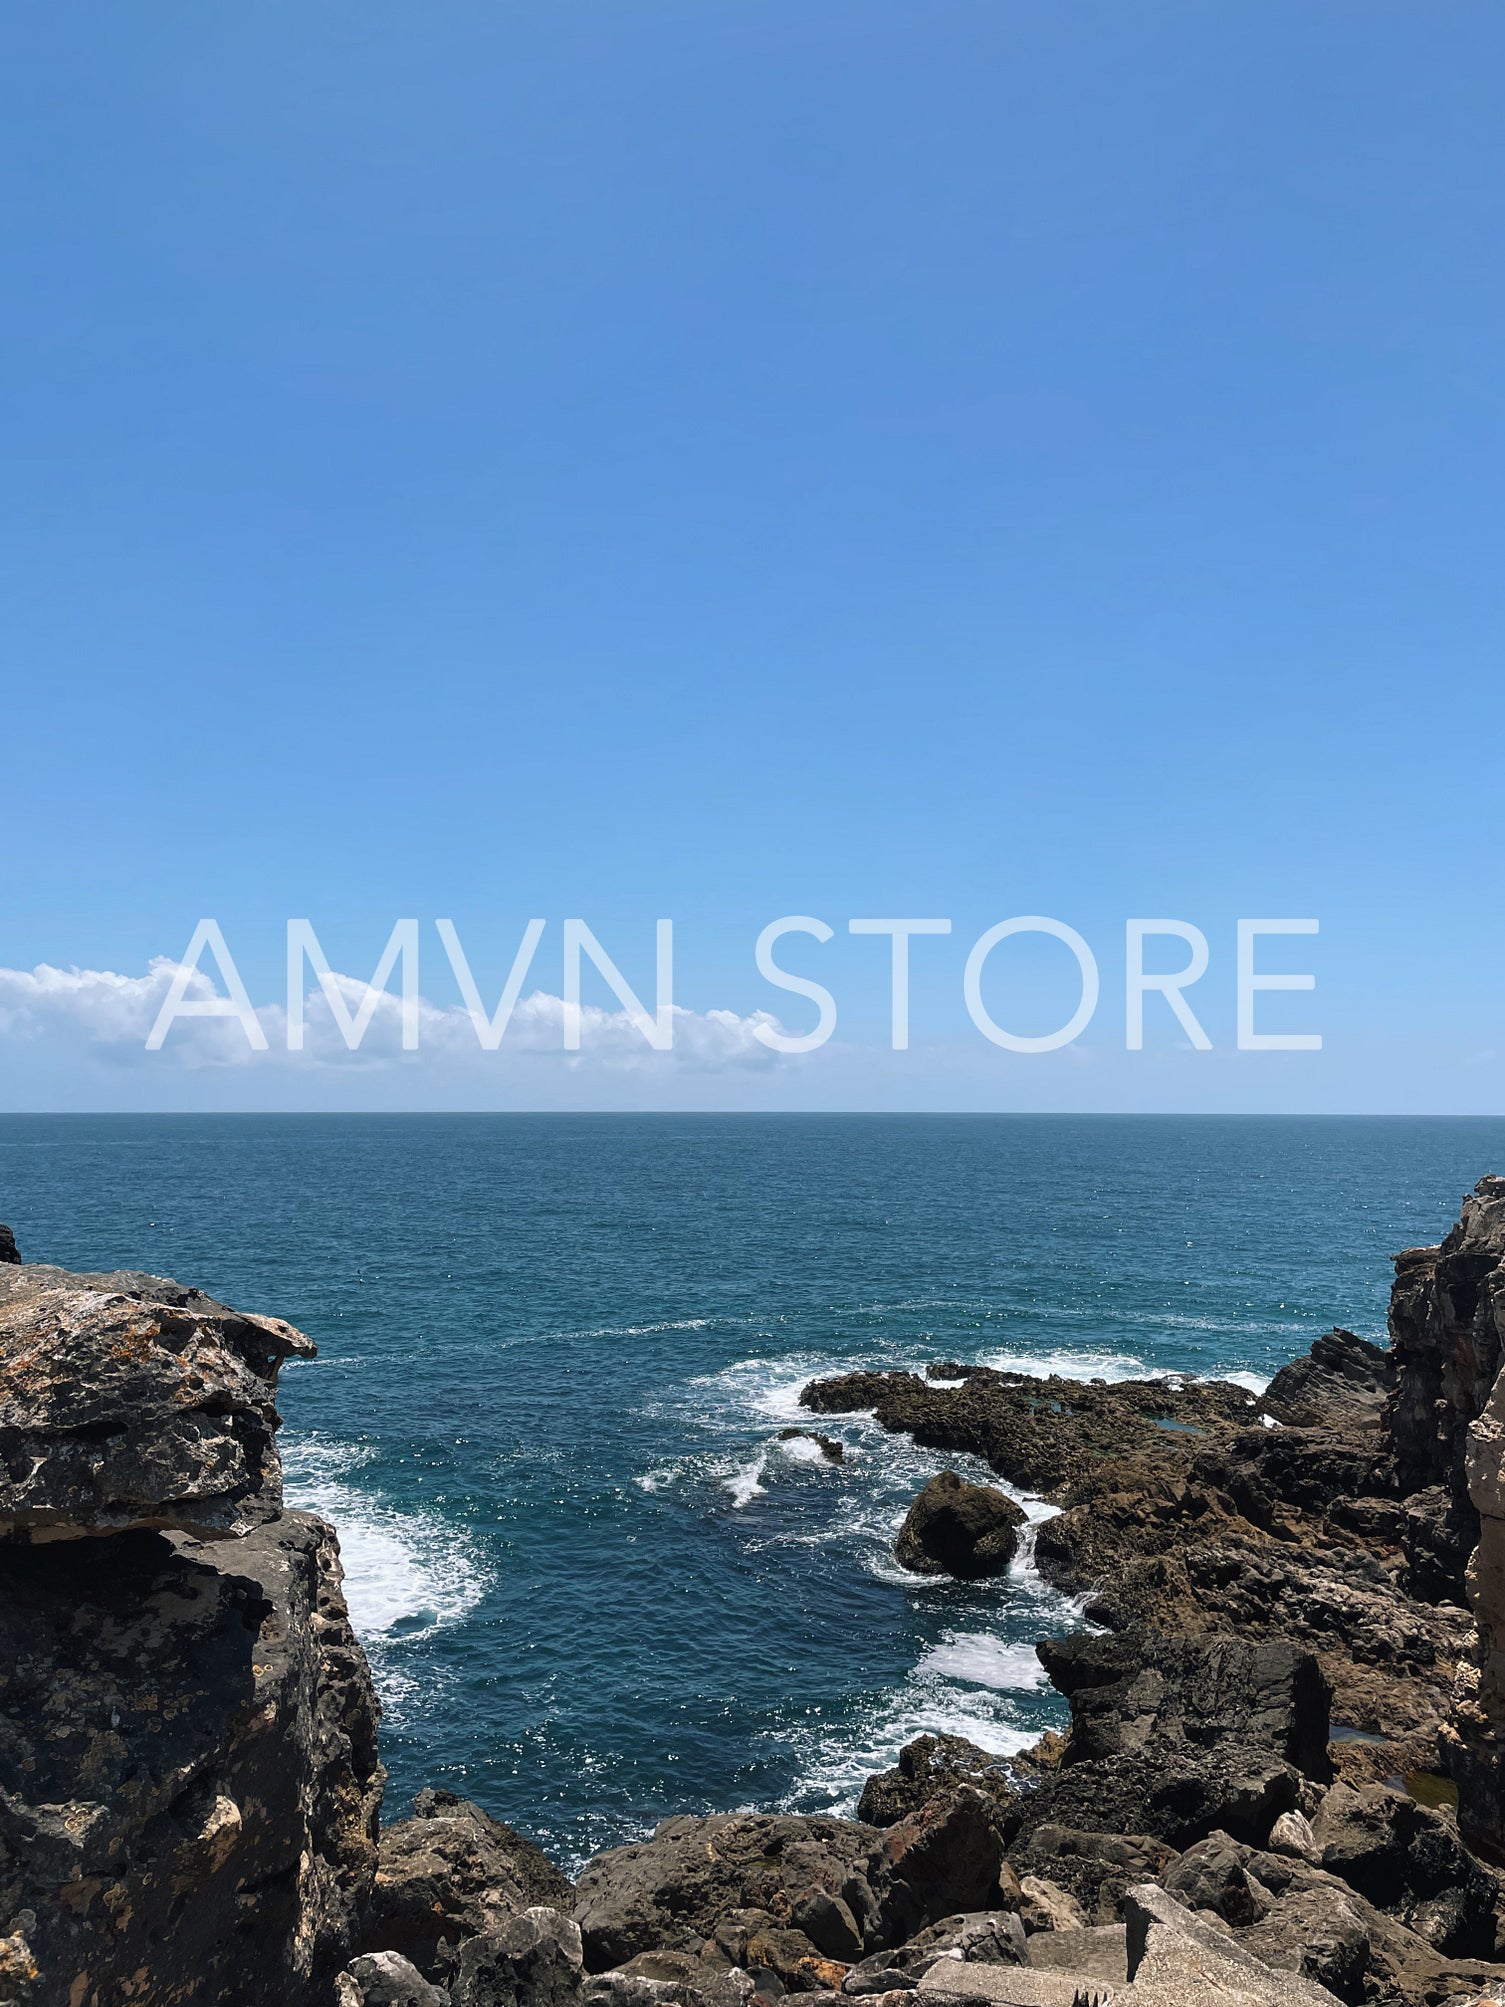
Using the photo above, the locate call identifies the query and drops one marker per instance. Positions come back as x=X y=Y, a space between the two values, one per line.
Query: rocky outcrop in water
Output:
x=954 y=1528
x=8 y=1254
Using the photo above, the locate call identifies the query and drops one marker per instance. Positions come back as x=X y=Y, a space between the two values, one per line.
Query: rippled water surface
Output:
x=556 y=1353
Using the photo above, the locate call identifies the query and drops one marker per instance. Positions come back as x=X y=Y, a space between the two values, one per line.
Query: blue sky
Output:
x=734 y=459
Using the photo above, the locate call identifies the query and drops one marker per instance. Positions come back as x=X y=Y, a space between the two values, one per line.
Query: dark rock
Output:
x=674 y=1889
x=724 y=1988
x=123 y=1410
x=8 y=1254
x=188 y=1773
x=928 y=1767
x=954 y=1528
x=832 y=1450
x=1447 y=1328
x=533 y=1960
x=385 y=1980
x=451 y=1872
x=987 y=1937
x=1342 y=1378
x=945 y=1858
x=1140 y=1692
x=1410 y=1863
x=1093 y=1869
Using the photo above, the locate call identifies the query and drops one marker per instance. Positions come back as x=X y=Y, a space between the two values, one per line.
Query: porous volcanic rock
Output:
x=673 y=1890
x=127 y=1402
x=452 y=1872
x=929 y=1767
x=189 y=1783
x=960 y=1529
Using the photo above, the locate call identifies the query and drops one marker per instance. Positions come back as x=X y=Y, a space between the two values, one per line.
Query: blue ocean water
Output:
x=557 y=1351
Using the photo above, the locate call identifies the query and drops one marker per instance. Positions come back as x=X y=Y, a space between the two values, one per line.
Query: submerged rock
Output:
x=960 y=1529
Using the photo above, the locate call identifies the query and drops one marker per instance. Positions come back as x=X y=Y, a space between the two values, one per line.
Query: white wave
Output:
x=1083 y=1366
x=980 y=1659
x=747 y=1483
x=408 y=1572
x=1252 y=1383
x=801 y=1449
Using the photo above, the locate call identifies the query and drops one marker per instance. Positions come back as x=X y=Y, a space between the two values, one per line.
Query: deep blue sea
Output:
x=556 y=1353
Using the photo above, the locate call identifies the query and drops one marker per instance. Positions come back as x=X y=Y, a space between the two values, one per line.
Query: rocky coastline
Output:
x=1281 y=1783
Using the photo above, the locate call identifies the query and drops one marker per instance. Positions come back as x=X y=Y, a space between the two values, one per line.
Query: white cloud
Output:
x=112 y=1014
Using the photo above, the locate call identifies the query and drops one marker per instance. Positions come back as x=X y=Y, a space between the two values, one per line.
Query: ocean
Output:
x=556 y=1354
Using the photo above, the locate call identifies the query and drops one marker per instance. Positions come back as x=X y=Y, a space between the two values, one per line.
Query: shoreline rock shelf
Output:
x=1280 y=1787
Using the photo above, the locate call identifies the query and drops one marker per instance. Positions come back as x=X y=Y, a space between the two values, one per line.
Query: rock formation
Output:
x=965 y=1530
x=8 y=1254
x=189 y=1782
x=1251 y=1805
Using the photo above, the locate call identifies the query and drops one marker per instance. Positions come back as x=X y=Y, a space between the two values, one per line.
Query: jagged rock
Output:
x=946 y=1858
x=954 y=1528
x=830 y=1448
x=1343 y=1377
x=8 y=1254
x=128 y=1402
x=1305 y=1920
x=928 y=1767
x=1181 y=1957
x=188 y=1772
x=988 y=1937
x=1140 y=1690
x=383 y=1979
x=1094 y=1869
x=1045 y=1906
x=1447 y=1326
x=1409 y=1862
x=533 y=1960
x=452 y=1872
x=675 y=1889
x=1292 y=1834
x=1476 y=1755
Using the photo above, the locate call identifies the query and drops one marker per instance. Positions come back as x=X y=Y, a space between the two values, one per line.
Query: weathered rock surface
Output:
x=189 y=1783
x=452 y=1872
x=1173 y=1738
x=675 y=1890
x=931 y=1766
x=383 y=1979
x=533 y=1959
x=960 y=1529
x=1476 y=1738
x=1343 y=1377
x=127 y=1402
x=188 y=1772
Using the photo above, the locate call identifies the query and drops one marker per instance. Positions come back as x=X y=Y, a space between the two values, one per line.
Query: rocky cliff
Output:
x=189 y=1783
x=1252 y=1804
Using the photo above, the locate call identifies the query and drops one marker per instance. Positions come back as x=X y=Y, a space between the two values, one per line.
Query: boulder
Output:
x=1408 y=1862
x=385 y=1980
x=189 y=1780
x=928 y=1767
x=8 y=1255
x=675 y=1889
x=1142 y=1691
x=1174 y=1957
x=945 y=1858
x=1343 y=1377
x=1045 y=1906
x=451 y=1872
x=129 y=1403
x=960 y=1529
x=1093 y=1869
x=533 y=1960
